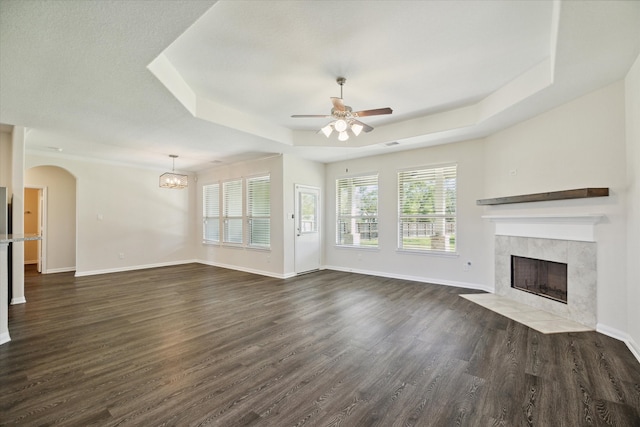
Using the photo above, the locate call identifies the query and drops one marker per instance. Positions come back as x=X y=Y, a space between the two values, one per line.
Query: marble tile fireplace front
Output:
x=580 y=258
x=566 y=240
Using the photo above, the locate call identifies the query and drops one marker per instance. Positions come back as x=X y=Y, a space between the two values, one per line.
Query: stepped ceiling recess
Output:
x=217 y=82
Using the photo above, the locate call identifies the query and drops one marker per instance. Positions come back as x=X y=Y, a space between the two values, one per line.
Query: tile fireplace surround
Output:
x=560 y=238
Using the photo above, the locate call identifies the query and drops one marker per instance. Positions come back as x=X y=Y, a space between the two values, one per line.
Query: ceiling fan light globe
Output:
x=343 y=136
x=340 y=125
x=327 y=130
x=356 y=128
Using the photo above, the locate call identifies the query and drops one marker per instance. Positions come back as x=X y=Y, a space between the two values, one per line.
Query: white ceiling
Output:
x=132 y=82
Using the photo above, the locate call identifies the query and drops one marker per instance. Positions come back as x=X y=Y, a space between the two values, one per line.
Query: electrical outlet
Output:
x=121 y=255
x=466 y=266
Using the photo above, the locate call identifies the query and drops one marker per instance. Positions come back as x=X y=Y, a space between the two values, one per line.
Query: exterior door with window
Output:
x=307 y=232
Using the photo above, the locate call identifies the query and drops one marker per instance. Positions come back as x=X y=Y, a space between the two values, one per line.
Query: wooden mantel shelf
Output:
x=579 y=193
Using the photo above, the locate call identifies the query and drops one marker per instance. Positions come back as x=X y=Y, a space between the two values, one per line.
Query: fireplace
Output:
x=568 y=239
x=547 y=279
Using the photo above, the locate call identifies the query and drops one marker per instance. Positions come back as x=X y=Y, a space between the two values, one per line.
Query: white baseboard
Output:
x=420 y=279
x=30 y=261
x=622 y=336
x=4 y=338
x=634 y=348
x=59 y=270
x=247 y=270
x=133 y=267
x=18 y=300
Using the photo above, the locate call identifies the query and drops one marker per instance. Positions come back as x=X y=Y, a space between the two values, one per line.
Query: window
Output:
x=427 y=209
x=232 y=211
x=259 y=211
x=211 y=213
x=225 y=214
x=308 y=208
x=357 y=211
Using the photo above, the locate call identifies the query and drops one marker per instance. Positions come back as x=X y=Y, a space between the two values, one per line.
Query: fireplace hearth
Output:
x=547 y=279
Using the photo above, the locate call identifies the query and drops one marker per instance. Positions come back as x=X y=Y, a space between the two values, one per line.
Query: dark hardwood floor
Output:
x=199 y=345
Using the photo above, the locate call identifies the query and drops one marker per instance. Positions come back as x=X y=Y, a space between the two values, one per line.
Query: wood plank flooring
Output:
x=199 y=345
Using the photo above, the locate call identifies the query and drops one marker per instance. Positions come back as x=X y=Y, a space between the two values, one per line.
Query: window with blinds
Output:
x=259 y=211
x=211 y=213
x=357 y=211
x=232 y=211
x=427 y=209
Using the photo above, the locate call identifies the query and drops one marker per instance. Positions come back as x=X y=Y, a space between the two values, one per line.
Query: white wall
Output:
x=579 y=144
x=60 y=243
x=17 y=209
x=121 y=210
x=632 y=92
x=302 y=172
x=473 y=234
x=5 y=161
x=260 y=261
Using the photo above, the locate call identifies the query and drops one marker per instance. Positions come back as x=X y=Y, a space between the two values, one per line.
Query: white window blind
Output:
x=357 y=211
x=259 y=211
x=232 y=211
x=427 y=209
x=211 y=213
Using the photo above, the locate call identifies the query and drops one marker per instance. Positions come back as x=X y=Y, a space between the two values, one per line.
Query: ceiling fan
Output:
x=345 y=120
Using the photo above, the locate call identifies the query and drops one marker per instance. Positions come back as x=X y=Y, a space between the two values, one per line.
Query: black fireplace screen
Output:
x=545 y=278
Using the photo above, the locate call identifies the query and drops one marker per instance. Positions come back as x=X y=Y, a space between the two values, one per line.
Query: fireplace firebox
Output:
x=547 y=279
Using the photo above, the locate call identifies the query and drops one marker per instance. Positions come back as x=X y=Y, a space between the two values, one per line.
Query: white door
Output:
x=307 y=232
x=42 y=215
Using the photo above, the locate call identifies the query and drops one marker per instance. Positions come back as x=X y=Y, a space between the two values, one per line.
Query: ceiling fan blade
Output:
x=365 y=127
x=337 y=103
x=376 y=112
x=297 y=116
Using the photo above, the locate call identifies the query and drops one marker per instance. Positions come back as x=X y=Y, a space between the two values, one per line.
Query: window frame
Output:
x=315 y=216
x=353 y=220
x=446 y=215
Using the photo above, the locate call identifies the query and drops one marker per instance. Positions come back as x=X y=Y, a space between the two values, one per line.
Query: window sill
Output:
x=428 y=253
x=232 y=245
x=235 y=246
x=360 y=248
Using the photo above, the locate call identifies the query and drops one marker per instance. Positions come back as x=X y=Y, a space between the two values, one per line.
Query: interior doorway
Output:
x=34 y=223
x=57 y=217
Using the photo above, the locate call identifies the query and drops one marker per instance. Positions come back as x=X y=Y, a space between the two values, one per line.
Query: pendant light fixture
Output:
x=172 y=179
